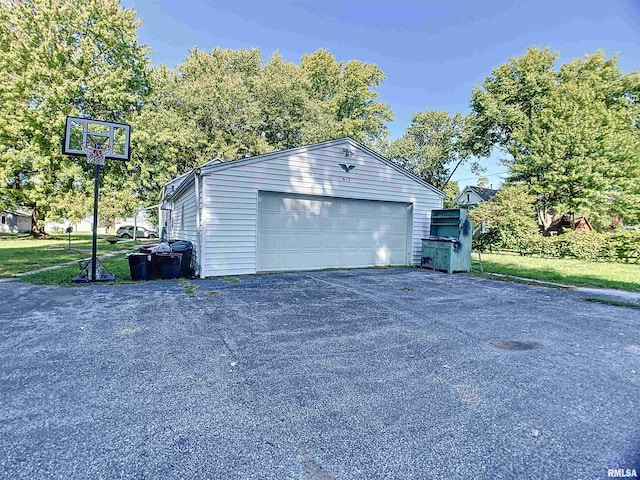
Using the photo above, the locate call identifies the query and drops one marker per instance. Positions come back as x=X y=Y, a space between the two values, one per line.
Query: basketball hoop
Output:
x=96 y=151
x=96 y=140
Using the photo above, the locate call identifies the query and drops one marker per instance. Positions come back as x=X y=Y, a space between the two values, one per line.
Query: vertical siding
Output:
x=200 y=241
x=231 y=196
x=184 y=228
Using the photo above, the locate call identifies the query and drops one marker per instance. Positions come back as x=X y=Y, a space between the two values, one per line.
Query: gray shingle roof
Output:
x=484 y=193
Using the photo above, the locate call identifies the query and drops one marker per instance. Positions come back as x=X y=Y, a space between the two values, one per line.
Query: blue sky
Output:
x=432 y=52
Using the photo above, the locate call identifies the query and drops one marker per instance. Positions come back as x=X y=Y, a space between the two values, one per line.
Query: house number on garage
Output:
x=346 y=179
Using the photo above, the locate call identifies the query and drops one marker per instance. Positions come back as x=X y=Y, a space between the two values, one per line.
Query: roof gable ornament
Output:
x=348 y=153
x=347 y=168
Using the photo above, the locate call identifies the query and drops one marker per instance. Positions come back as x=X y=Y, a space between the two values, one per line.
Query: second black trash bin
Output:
x=185 y=248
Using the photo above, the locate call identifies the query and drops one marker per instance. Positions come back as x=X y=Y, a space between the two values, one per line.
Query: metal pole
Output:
x=135 y=223
x=94 y=246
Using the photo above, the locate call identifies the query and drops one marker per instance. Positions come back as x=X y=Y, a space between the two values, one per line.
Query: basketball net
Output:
x=96 y=151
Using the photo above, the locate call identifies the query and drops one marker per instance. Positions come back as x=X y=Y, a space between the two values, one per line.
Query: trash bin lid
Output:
x=181 y=245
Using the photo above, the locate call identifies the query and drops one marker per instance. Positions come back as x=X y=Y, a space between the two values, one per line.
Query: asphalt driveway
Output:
x=395 y=373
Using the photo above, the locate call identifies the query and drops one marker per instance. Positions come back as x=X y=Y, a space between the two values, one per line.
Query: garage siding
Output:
x=230 y=211
x=183 y=217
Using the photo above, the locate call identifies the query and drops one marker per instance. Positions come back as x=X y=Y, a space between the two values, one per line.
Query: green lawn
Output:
x=22 y=253
x=568 y=271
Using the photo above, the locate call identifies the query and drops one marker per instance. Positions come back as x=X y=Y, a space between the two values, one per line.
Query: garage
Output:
x=327 y=205
x=298 y=232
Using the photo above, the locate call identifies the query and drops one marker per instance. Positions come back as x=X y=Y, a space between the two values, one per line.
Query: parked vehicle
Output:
x=126 y=231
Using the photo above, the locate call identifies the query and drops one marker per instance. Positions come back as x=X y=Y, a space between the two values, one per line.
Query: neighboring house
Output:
x=15 y=221
x=563 y=223
x=83 y=226
x=471 y=196
x=332 y=204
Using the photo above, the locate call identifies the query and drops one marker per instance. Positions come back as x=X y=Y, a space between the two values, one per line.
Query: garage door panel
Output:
x=305 y=232
x=269 y=261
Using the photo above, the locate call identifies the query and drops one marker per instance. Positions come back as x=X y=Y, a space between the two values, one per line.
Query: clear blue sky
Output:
x=433 y=52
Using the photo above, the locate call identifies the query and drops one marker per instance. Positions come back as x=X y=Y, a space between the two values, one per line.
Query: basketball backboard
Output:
x=84 y=133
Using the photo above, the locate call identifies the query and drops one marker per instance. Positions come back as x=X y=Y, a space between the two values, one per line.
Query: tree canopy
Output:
x=57 y=59
x=571 y=134
x=434 y=146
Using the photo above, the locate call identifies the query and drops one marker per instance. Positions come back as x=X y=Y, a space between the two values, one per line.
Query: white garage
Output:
x=333 y=204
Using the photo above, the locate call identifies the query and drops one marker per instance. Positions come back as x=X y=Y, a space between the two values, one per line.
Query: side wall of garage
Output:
x=231 y=192
x=182 y=224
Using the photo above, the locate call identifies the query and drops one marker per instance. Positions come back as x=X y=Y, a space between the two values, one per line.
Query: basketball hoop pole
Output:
x=94 y=245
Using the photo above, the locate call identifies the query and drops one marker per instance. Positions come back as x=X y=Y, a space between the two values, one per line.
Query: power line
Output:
x=473 y=178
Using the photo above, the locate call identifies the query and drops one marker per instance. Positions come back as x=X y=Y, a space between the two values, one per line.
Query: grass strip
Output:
x=562 y=270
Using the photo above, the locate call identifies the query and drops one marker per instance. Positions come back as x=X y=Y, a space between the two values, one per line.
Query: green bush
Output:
x=593 y=246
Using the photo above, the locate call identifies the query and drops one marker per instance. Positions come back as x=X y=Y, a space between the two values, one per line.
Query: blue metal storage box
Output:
x=448 y=247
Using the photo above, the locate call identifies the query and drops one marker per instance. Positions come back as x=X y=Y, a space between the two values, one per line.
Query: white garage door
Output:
x=298 y=232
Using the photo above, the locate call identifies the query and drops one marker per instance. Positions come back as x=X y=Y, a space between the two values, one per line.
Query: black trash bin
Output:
x=138 y=266
x=169 y=265
x=154 y=265
x=184 y=247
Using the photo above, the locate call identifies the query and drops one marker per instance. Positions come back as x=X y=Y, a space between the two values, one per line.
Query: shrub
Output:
x=614 y=247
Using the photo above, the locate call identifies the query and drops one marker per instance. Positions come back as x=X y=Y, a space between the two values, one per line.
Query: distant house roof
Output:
x=472 y=196
x=560 y=223
x=484 y=193
x=21 y=211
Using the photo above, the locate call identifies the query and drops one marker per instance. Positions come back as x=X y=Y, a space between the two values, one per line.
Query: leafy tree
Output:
x=242 y=107
x=344 y=94
x=452 y=189
x=229 y=104
x=505 y=108
x=60 y=58
x=505 y=220
x=165 y=143
x=217 y=90
x=571 y=134
x=433 y=147
x=482 y=182
x=286 y=108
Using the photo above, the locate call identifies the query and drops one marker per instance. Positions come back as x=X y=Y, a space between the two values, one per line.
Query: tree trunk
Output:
x=544 y=218
x=37 y=223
